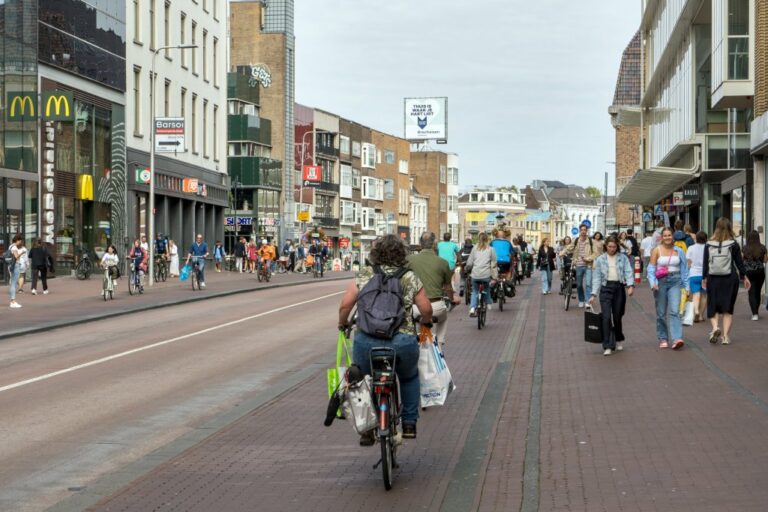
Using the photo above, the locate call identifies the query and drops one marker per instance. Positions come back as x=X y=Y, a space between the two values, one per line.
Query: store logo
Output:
x=58 y=105
x=21 y=106
x=422 y=122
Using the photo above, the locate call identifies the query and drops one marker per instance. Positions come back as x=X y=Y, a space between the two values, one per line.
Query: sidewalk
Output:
x=540 y=420
x=72 y=301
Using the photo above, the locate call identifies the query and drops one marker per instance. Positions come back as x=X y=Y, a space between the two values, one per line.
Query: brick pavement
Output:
x=642 y=430
x=71 y=300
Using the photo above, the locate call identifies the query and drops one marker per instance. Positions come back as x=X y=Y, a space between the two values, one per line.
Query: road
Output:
x=152 y=377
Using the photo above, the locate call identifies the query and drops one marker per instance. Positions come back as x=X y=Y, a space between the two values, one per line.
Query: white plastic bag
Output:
x=434 y=376
x=688 y=314
x=358 y=405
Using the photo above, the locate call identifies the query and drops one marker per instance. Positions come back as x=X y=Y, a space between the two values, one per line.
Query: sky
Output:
x=528 y=82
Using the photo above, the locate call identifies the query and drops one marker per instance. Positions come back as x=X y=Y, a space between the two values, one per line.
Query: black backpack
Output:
x=635 y=246
x=380 y=305
x=10 y=261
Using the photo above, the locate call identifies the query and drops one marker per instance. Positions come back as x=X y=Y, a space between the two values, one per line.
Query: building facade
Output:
x=481 y=210
x=452 y=190
x=430 y=172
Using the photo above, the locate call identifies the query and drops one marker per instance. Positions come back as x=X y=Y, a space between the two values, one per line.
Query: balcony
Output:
x=330 y=187
x=240 y=86
x=329 y=151
x=253 y=171
x=327 y=222
x=246 y=127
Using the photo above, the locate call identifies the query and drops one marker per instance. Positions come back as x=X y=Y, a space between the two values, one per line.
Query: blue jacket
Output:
x=651 y=273
x=600 y=272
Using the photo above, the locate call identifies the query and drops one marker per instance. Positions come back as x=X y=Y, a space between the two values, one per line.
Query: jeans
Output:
x=14 y=277
x=668 y=302
x=546 y=279
x=486 y=291
x=406 y=366
x=583 y=289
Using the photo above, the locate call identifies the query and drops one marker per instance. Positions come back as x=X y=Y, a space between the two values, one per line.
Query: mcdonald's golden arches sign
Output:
x=55 y=106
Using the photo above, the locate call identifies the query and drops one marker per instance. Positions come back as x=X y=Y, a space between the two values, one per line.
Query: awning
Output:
x=648 y=186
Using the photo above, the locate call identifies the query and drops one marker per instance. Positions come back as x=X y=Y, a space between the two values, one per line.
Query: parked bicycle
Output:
x=135 y=286
x=84 y=267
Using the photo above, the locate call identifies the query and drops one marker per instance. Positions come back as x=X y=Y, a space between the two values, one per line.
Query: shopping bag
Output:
x=184 y=274
x=435 y=379
x=683 y=300
x=336 y=374
x=593 y=326
x=358 y=405
x=688 y=314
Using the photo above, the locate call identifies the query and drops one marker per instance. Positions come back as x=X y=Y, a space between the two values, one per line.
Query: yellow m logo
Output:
x=21 y=102
x=58 y=100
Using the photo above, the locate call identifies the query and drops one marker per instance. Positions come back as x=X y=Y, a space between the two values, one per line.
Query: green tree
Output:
x=594 y=192
x=511 y=188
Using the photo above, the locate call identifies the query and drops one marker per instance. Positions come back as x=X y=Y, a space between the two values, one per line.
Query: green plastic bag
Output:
x=336 y=374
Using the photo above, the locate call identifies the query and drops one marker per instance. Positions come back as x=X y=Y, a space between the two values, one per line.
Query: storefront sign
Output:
x=303 y=216
x=691 y=193
x=260 y=74
x=229 y=221
x=245 y=221
x=202 y=190
x=189 y=185
x=58 y=106
x=677 y=198
x=169 y=134
x=143 y=176
x=343 y=243
x=47 y=216
x=311 y=176
x=23 y=106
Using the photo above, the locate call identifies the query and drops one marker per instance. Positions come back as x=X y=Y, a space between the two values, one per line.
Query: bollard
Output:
x=637 y=270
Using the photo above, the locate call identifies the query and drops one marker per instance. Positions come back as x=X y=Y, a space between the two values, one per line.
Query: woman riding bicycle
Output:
x=389 y=254
x=139 y=258
x=109 y=263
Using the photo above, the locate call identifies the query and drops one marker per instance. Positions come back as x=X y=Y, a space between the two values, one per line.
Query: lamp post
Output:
x=151 y=205
x=235 y=184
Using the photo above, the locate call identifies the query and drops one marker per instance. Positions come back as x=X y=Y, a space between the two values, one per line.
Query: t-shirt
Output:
x=109 y=260
x=433 y=272
x=613 y=263
x=503 y=249
x=447 y=251
x=410 y=284
x=695 y=253
x=646 y=246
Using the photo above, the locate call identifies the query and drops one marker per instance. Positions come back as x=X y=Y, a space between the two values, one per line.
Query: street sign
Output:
x=587 y=223
x=311 y=175
x=574 y=231
x=303 y=216
x=677 y=198
x=647 y=217
x=169 y=135
x=657 y=210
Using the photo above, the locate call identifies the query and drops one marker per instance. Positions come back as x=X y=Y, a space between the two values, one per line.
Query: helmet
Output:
x=263 y=241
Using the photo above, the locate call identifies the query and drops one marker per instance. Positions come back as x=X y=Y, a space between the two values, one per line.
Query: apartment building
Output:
x=483 y=209
x=419 y=212
x=191 y=185
x=698 y=65
x=350 y=196
x=452 y=191
x=430 y=172
x=392 y=167
x=759 y=128
x=261 y=35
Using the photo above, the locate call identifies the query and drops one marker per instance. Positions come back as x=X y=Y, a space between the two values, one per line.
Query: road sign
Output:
x=311 y=175
x=303 y=216
x=169 y=135
x=587 y=223
x=647 y=217
x=657 y=210
x=574 y=231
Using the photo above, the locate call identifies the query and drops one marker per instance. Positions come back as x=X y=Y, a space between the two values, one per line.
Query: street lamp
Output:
x=151 y=206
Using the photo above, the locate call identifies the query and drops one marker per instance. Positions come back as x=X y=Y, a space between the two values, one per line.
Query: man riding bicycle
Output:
x=504 y=254
x=199 y=250
x=266 y=255
x=319 y=252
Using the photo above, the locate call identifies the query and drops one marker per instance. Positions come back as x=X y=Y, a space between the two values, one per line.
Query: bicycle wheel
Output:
x=387 y=456
x=193 y=279
x=567 y=294
x=163 y=272
x=268 y=276
x=105 y=289
x=259 y=275
x=480 y=310
x=132 y=284
x=467 y=292
x=111 y=295
x=500 y=294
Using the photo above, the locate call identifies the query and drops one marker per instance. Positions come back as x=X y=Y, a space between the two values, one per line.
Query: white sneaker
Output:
x=581 y=305
x=15 y=305
x=45 y=292
x=472 y=312
x=34 y=292
x=619 y=347
x=755 y=317
x=607 y=352
x=202 y=285
x=489 y=307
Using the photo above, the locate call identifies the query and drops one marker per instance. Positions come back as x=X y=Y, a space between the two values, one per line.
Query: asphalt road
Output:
x=80 y=402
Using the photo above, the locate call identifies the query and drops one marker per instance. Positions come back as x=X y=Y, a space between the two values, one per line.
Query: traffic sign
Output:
x=574 y=231
x=169 y=135
x=587 y=223
x=303 y=216
x=647 y=217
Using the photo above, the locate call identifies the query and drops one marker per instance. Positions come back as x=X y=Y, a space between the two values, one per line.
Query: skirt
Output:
x=721 y=294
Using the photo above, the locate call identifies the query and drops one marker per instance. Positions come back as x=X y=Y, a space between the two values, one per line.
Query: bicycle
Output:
x=499 y=293
x=468 y=289
x=262 y=271
x=108 y=284
x=134 y=283
x=482 y=307
x=316 y=267
x=161 y=269
x=84 y=267
x=566 y=287
x=194 y=275
x=386 y=400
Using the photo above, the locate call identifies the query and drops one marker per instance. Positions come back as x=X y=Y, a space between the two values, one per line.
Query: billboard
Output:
x=311 y=176
x=426 y=119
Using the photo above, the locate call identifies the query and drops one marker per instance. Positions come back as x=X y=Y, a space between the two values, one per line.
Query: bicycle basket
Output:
x=114 y=272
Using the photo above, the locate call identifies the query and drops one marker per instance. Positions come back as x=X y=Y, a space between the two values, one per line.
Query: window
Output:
x=381 y=225
x=327 y=171
x=344 y=145
x=356 y=178
x=193 y=127
x=167 y=98
x=378 y=157
x=183 y=102
x=442 y=174
x=350 y=213
x=403 y=203
x=368 y=218
x=346 y=181
x=183 y=38
x=442 y=205
x=368 y=155
x=137 y=107
x=389 y=189
x=373 y=188
x=137 y=21
x=194 y=50
x=216 y=132
x=356 y=149
x=215 y=62
x=389 y=156
x=738 y=39
x=453 y=176
x=216 y=10
x=205 y=129
x=205 y=55
x=403 y=167
x=453 y=204
x=167 y=28
x=324 y=206
x=490 y=197
x=152 y=24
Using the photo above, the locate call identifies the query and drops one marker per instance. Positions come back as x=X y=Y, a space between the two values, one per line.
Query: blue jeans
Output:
x=668 y=302
x=583 y=289
x=486 y=291
x=14 y=276
x=406 y=366
x=546 y=279
x=200 y=265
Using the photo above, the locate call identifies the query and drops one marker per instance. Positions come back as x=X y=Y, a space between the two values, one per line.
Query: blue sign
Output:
x=244 y=221
x=587 y=223
x=647 y=217
x=657 y=210
x=574 y=231
x=229 y=221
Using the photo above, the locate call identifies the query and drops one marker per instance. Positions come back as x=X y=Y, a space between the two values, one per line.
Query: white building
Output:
x=453 y=196
x=572 y=206
x=483 y=209
x=419 y=218
x=191 y=188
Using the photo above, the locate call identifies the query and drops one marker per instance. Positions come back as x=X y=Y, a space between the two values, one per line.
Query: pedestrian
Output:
x=611 y=274
x=12 y=262
x=301 y=254
x=682 y=236
x=695 y=257
x=252 y=255
x=144 y=244
x=218 y=255
x=39 y=256
x=755 y=256
x=483 y=268
x=599 y=244
x=173 y=250
x=545 y=260
x=23 y=264
x=722 y=261
x=646 y=246
x=584 y=254
x=667 y=275
x=292 y=257
x=466 y=250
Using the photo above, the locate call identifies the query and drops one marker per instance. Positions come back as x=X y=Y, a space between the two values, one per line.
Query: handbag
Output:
x=662 y=271
x=593 y=326
x=358 y=405
x=688 y=314
x=335 y=374
x=435 y=381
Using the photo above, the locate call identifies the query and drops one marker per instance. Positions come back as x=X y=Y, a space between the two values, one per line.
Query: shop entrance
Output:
x=18 y=215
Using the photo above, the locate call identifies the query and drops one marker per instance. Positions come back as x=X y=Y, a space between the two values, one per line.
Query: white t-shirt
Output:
x=109 y=260
x=646 y=246
x=696 y=255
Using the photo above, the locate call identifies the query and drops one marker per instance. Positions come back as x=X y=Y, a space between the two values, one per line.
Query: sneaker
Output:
x=663 y=344
x=202 y=285
x=45 y=292
x=755 y=317
x=619 y=347
x=678 y=344
x=20 y=290
x=607 y=352
x=15 y=305
x=472 y=312
x=409 y=430
x=367 y=439
x=489 y=307
x=726 y=341
x=34 y=292
x=581 y=304
x=714 y=335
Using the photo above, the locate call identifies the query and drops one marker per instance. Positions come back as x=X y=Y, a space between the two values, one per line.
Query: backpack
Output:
x=10 y=261
x=682 y=245
x=635 y=246
x=380 y=304
x=720 y=258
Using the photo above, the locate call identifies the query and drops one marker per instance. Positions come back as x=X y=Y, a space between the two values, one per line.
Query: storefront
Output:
x=18 y=214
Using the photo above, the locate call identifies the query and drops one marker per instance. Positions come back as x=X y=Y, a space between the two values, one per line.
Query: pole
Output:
x=605 y=204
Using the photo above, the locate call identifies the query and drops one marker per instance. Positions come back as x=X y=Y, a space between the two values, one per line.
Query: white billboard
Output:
x=426 y=119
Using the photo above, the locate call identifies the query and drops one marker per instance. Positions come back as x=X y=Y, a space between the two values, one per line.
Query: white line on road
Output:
x=158 y=344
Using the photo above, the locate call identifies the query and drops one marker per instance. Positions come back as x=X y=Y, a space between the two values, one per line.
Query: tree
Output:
x=511 y=188
x=594 y=192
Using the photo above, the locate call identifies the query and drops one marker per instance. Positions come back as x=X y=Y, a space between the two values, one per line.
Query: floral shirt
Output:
x=410 y=284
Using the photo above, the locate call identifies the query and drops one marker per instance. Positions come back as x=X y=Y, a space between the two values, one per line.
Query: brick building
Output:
x=392 y=166
x=430 y=172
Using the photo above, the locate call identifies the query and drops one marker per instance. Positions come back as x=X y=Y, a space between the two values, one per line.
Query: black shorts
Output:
x=503 y=267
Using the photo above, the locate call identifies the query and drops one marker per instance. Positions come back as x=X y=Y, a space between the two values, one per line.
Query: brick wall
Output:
x=627 y=163
x=425 y=168
x=761 y=57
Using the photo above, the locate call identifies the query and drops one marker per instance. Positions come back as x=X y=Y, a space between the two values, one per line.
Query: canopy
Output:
x=648 y=186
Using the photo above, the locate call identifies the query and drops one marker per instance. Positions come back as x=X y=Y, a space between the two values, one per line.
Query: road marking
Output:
x=159 y=344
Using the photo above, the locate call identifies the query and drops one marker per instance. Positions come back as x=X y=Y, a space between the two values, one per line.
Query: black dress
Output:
x=722 y=290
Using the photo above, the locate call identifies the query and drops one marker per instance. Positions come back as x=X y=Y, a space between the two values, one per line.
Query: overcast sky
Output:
x=528 y=82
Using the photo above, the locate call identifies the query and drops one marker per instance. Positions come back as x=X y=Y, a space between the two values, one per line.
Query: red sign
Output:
x=343 y=243
x=190 y=185
x=311 y=175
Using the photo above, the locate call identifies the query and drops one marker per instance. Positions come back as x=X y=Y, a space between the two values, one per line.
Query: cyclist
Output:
x=482 y=265
x=449 y=251
x=266 y=255
x=139 y=259
x=504 y=253
x=319 y=252
x=109 y=262
x=466 y=250
x=389 y=255
x=161 y=248
x=199 y=250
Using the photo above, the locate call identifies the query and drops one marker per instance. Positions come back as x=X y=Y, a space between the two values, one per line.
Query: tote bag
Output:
x=335 y=374
x=593 y=326
x=435 y=379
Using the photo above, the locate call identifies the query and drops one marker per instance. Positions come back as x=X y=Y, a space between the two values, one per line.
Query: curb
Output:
x=150 y=307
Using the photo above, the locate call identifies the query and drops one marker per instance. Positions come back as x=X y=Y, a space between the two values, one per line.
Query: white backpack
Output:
x=720 y=259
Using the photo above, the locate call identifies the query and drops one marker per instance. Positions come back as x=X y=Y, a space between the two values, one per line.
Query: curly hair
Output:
x=388 y=250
